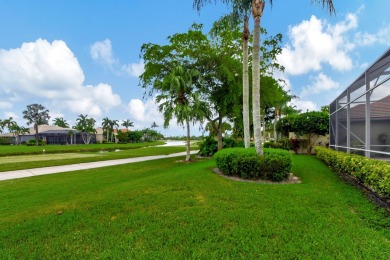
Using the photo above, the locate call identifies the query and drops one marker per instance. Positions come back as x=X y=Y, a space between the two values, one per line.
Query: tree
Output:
x=1 y=126
x=311 y=125
x=61 y=122
x=36 y=114
x=127 y=123
x=257 y=7
x=113 y=123
x=178 y=98
x=86 y=126
x=106 y=126
x=17 y=130
x=154 y=125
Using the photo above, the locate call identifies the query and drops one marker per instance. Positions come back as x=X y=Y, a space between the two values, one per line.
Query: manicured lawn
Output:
x=7 y=150
x=10 y=163
x=167 y=209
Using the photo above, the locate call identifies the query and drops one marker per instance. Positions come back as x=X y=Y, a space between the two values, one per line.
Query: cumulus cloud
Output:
x=102 y=52
x=134 y=69
x=321 y=83
x=144 y=113
x=304 y=105
x=315 y=42
x=50 y=71
x=382 y=36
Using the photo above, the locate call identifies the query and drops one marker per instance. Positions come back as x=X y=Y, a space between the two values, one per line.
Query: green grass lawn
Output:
x=7 y=150
x=167 y=209
x=20 y=162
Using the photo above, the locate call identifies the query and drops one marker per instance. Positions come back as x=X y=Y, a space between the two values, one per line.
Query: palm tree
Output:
x=154 y=125
x=257 y=7
x=1 y=126
x=113 y=123
x=61 y=122
x=106 y=126
x=179 y=99
x=86 y=126
x=127 y=123
x=8 y=123
x=36 y=114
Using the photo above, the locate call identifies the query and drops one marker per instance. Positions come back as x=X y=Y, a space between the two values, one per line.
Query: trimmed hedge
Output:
x=372 y=173
x=275 y=165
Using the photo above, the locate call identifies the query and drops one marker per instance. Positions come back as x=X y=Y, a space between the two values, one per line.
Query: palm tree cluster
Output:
x=240 y=11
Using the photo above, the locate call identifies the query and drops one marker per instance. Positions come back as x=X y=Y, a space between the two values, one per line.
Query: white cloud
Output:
x=304 y=105
x=145 y=113
x=315 y=42
x=51 y=71
x=5 y=105
x=134 y=69
x=382 y=36
x=321 y=83
x=102 y=52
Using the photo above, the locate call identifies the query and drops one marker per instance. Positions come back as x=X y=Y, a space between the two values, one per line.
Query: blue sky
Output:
x=83 y=56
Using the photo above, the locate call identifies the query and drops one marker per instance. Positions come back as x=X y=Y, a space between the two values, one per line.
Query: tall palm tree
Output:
x=86 y=126
x=179 y=99
x=113 y=123
x=257 y=7
x=127 y=123
x=1 y=126
x=106 y=126
x=154 y=125
x=61 y=122
x=8 y=123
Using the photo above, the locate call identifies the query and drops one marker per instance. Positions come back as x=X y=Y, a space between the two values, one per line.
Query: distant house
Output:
x=54 y=135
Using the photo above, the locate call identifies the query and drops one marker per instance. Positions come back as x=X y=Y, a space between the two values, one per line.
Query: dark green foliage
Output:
x=32 y=142
x=374 y=174
x=5 y=140
x=275 y=165
x=135 y=136
x=209 y=146
x=122 y=137
x=241 y=162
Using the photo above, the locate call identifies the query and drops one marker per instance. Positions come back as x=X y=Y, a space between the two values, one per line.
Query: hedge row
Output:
x=372 y=173
x=275 y=165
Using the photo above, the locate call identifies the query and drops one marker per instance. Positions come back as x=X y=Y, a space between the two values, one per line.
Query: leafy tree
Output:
x=257 y=7
x=61 y=122
x=178 y=98
x=285 y=125
x=17 y=130
x=122 y=137
x=36 y=114
x=86 y=126
x=127 y=123
x=135 y=136
x=311 y=125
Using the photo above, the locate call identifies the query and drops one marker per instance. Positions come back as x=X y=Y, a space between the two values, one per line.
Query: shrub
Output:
x=209 y=146
x=5 y=140
x=372 y=173
x=275 y=165
x=241 y=162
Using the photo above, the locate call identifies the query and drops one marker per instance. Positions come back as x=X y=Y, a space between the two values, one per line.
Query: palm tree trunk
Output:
x=36 y=134
x=245 y=85
x=188 y=155
x=257 y=11
x=219 y=134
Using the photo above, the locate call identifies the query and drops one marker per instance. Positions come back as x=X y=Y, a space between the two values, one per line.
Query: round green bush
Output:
x=275 y=165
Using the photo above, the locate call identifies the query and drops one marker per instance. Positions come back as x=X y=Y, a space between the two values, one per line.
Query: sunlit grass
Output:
x=167 y=209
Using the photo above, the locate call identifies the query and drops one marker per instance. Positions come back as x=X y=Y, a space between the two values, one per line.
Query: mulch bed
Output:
x=292 y=179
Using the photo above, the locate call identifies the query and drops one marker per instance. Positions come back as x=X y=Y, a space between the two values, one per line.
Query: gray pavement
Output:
x=80 y=166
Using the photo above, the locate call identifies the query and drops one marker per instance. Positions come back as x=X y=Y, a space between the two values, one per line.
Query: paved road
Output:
x=80 y=166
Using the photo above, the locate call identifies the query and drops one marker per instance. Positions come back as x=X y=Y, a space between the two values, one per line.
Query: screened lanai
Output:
x=360 y=116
